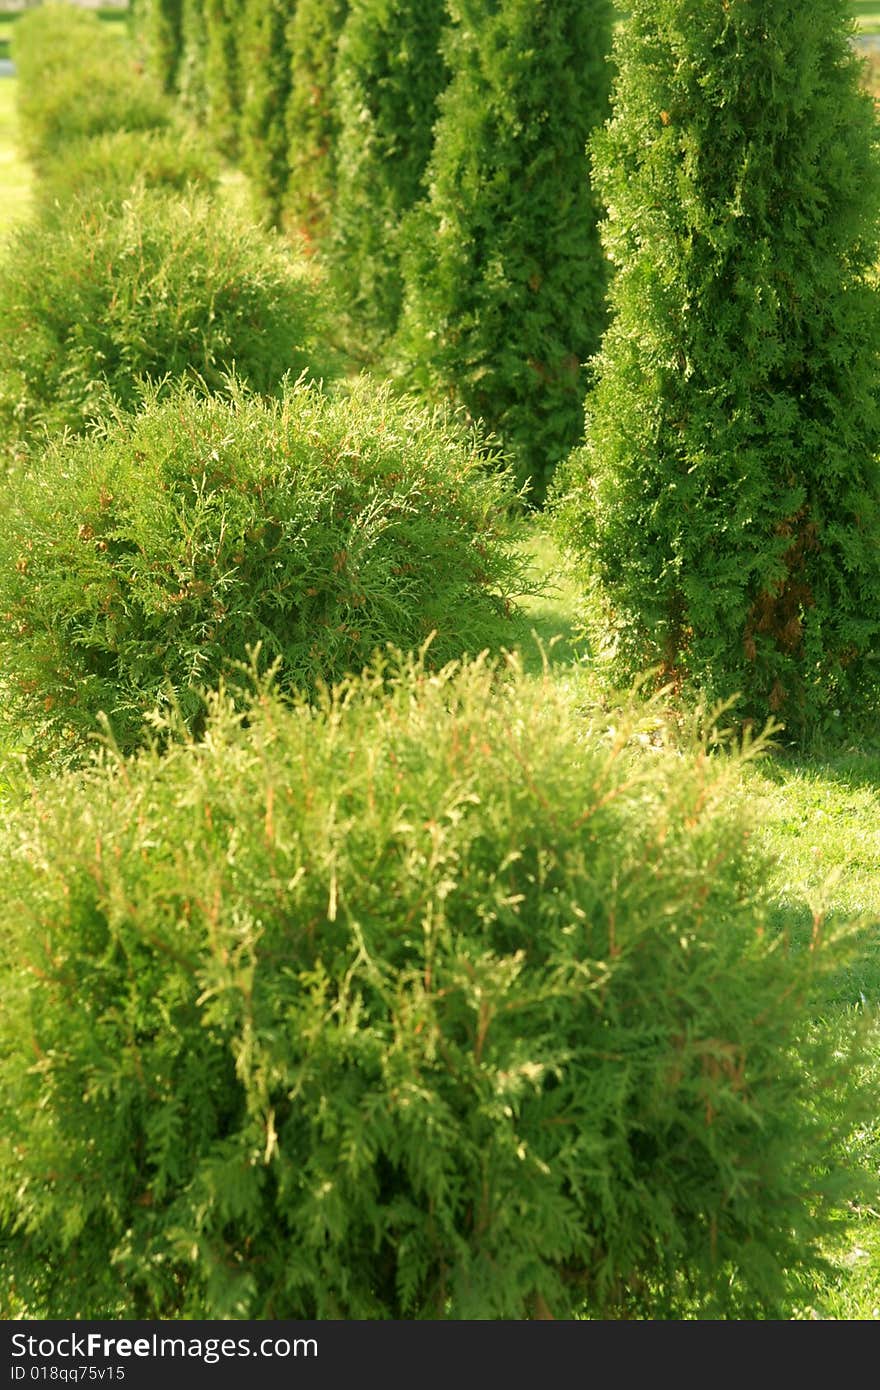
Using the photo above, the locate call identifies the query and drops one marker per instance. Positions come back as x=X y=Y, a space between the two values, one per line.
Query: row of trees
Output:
x=435 y=152
x=726 y=501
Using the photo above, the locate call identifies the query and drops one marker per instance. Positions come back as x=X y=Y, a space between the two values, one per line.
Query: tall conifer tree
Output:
x=389 y=73
x=505 y=279
x=191 y=72
x=727 y=499
x=265 y=84
x=312 y=123
x=157 y=25
x=222 y=73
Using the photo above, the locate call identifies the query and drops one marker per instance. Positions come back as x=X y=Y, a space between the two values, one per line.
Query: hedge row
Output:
x=338 y=110
x=128 y=270
x=144 y=563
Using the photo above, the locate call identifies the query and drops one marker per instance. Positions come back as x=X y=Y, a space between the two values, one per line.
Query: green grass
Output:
x=15 y=176
x=817 y=815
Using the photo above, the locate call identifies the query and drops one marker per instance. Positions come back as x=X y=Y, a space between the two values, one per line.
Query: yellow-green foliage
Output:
x=110 y=166
x=161 y=285
x=430 y=1002
x=140 y=564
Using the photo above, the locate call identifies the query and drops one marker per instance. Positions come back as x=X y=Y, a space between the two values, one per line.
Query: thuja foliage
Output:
x=266 y=80
x=191 y=85
x=78 y=78
x=161 y=285
x=389 y=73
x=222 y=72
x=158 y=26
x=108 y=167
x=140 y=564
x=312 y=121
x=505 y=275
x=430 y=1002
x=728 y=498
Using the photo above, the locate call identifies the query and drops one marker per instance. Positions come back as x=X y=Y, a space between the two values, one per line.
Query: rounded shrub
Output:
x=432 y=1002
x=389 y=73
x=139 y=565
x=163 y=285
x=726 y=504
x=77 y=78
x=504 y=274
x=109 y=167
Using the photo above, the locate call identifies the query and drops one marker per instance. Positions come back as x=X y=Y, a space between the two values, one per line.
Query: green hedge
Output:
x=431 y=1003
x=139 y=565
x=163 y=285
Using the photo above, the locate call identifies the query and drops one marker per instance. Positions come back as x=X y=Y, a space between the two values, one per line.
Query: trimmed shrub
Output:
x=312 y=121
x=107 y=168
x=139 y=565
x=266 y=78
x=389 y=73
x=432 y=1003
x=77 y=78
x=727 y=501
x=505 y=278
x=161 y=286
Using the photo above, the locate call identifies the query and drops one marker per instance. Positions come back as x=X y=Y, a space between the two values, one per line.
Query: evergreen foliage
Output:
x=109 y=167
x=223 y=77
x=389 y=73
x=159 y=286
x=191 y=82
x=727 y=501
x=312 y=121
x=139 y=565
x=76 y=79
x=266 y=77
x=158 y=27
x=505 y=276
x=430 y=1003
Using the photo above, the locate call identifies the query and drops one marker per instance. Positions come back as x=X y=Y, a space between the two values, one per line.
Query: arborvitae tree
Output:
x=505 y=279
x=727 y=499
x=191 y=71
x=312 y=123
x=222 y=76
x=265 y=84
x=389 y=73
x=158 y=26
